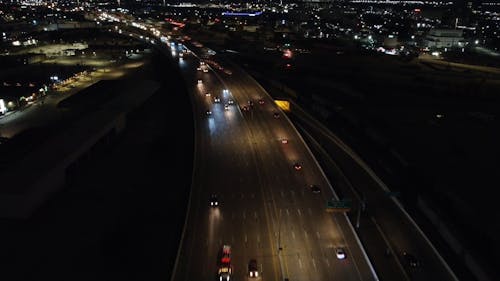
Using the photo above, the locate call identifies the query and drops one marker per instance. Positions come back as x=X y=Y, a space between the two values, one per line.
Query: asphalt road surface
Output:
x=267 y=210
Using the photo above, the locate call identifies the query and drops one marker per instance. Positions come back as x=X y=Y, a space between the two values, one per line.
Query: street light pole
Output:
x=358 y=216
x=280 y=248
x=361 y=208
x=279 y=232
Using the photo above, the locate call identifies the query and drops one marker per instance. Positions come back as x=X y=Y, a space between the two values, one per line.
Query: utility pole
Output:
x=280 y=248
x=361 y=207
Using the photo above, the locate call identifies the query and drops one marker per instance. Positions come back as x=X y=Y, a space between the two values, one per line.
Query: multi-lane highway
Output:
x=267 y=210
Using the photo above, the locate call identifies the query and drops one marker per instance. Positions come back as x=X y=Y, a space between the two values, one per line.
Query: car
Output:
x=214 y=202
x=225 y=91
x=200 y=82
x=230 y=101
x=253 y=270
x=340 y=253
x=245 y=108
x=297 y=166
x=226 y=254
x=226 y=250
x=226 y=106
x=216 y=99
x=411 y=260
x=225 y=272
x=205 y=70
x=276 y=115
x=250 y=103
x=314 y=188
x=284 y=141
x=207 y=94
x=198 y=68
x=208 y=112
x=261 y=101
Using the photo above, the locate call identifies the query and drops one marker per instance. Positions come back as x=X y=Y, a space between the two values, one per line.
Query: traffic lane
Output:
x=221 y=168
x=375 y=242
x=256 y=116
x=313 y=164
x=194 y=258
x=400 y=238
x=270 y=165
x=295 y=188
x=316 y=203
x=244 y=203
x=217 y=180
x=250 y=238
x=313 y=235
x=401 y=234
x=196 y=231
x=393 y=223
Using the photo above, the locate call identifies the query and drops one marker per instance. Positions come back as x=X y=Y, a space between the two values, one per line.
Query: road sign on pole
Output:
x=338 y=206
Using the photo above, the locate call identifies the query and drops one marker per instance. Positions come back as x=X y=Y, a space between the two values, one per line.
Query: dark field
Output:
x=122 y=215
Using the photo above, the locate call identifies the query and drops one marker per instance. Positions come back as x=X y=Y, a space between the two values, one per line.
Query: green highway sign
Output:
x=338 y=205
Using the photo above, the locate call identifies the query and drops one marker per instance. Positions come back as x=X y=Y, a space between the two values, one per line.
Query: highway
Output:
x=383 y=217
x=267 y=210
x=384 y=220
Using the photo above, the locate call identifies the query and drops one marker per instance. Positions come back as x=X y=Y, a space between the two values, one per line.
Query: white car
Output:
x=200 y=82
x=205 y=69
x=340 y=253
x=198 y=68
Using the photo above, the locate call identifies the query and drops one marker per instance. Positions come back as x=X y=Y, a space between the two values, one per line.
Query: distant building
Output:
x=69 y=25
x=444 y=38
x=251 y=28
